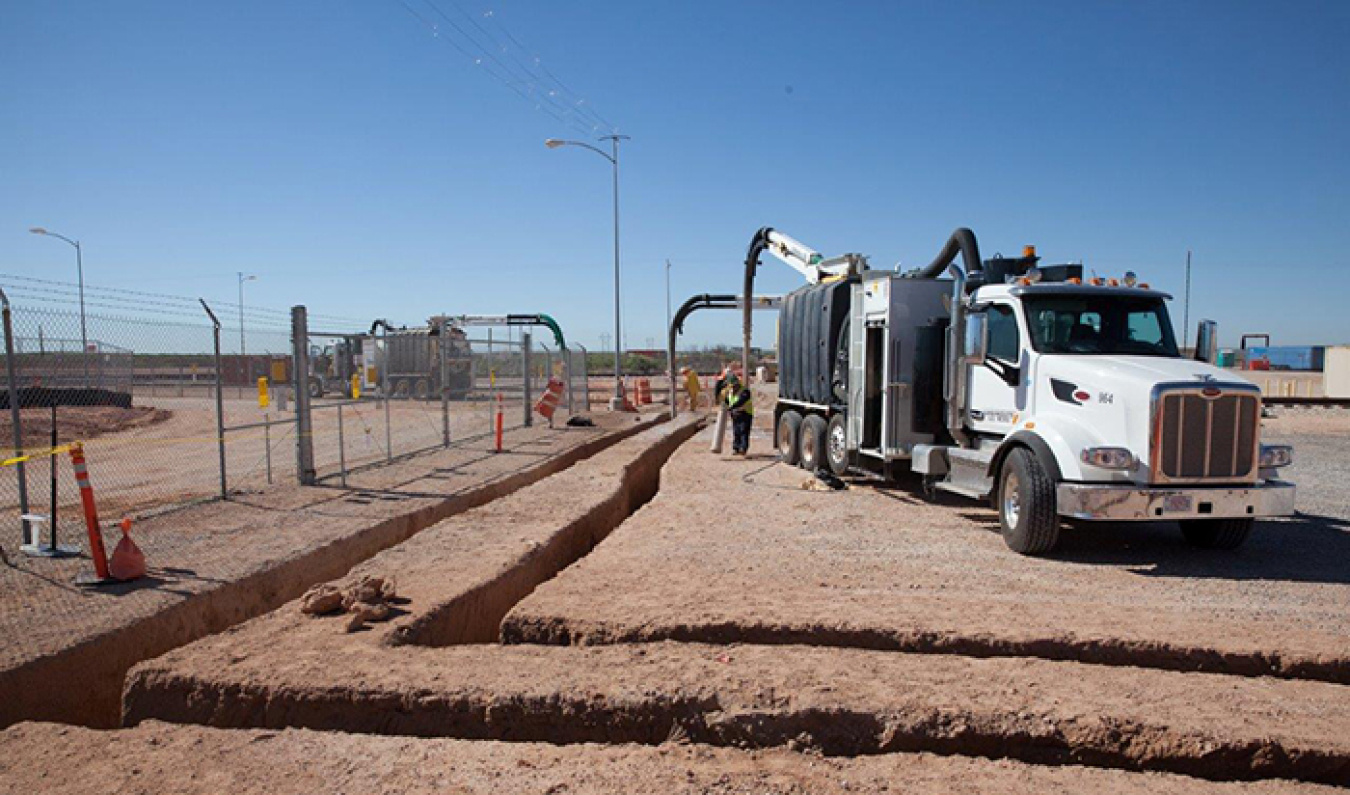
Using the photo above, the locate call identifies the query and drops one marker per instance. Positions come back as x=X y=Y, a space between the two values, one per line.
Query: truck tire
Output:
x=811 y=443
x=315 y=388
x=786 y=435
x=1026 y=505
x=421 y=389
x=836 y=444
x=1216 y=533
x=400 y=389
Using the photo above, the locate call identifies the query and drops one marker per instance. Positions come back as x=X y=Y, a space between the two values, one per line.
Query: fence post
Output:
x=384 y=392
x=304 y=422
x=585 y=377
x=342 y=448
x=16 y=416
x=567 y=364
x=220 y=398
x=444 y=350
x=525 y=373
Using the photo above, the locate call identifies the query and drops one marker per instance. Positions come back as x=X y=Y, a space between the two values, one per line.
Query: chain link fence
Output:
x=178 y=411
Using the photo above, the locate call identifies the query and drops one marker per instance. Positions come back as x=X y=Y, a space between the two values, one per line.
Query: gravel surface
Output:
x=156 y=757
x=736 y=550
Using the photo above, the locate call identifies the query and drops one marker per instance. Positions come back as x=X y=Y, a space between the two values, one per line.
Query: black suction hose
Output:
x=757 y=245
x=961 y=242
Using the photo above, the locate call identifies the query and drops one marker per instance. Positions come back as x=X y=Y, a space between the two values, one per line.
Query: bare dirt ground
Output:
x=735 y=550
x=213 y=565
x=157 y=757
x=147 y=466
x=756 y=636
x=718 y=562
x=78 y=423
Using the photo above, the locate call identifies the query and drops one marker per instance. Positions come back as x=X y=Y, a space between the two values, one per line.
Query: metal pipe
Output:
x=954 y=381
x=585 y=375
x=443 y=348
x=342 y=449
x=267 y=442
x=304 y=421
x=220 y=398
x=525 y=372
x=15 y=416
x=384 y=389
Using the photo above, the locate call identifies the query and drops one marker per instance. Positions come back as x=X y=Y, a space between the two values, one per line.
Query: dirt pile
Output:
x=79 y=423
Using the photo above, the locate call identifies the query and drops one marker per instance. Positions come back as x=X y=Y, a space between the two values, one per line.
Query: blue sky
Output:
x=365 y=168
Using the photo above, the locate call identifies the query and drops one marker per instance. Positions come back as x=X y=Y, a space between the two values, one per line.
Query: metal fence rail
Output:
x=172 y=413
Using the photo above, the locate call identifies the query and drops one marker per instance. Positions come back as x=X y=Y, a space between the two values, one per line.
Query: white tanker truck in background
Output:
x=1052 y=395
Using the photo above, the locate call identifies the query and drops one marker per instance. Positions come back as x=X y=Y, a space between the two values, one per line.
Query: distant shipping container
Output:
x=1304 y=358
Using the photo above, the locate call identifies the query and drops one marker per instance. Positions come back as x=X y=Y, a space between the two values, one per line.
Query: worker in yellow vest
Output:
x=691 y=386
x=742 y=410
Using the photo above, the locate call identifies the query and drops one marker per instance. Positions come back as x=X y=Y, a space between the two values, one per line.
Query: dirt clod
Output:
x=321 y=600
x=366 y=601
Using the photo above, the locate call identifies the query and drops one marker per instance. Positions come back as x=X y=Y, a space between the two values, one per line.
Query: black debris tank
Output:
x=808 y=337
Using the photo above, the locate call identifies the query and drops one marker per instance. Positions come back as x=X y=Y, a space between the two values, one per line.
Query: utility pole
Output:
x=1186 y=303
x=670 y=362
x=79 y=269
x=616 y=403
x=242 y=278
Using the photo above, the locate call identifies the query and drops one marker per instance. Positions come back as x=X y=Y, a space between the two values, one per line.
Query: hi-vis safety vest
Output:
x=748 y=406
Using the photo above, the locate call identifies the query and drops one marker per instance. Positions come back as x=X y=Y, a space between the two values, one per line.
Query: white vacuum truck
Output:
x=1052 y=395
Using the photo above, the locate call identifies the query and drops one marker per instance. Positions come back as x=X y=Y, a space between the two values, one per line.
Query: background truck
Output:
x=407 y=360
x=1052 y=395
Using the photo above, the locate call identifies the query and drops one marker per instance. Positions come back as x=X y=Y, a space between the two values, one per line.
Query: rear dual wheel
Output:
x=811 y=443
x=786 y=437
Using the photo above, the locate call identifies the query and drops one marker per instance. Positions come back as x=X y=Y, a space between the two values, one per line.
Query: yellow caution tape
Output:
x=26 y=457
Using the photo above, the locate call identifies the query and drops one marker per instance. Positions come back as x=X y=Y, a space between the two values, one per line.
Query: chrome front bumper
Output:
x=1129 y=503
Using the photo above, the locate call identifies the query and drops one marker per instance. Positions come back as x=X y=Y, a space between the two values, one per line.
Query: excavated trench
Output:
x=476 y=615
x=45 y=688
x=406 y=680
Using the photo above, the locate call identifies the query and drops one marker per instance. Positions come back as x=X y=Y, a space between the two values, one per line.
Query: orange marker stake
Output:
x=96 y=550
x=499 y=423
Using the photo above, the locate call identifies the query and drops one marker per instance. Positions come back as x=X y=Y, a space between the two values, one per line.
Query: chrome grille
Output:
x=1205 y=434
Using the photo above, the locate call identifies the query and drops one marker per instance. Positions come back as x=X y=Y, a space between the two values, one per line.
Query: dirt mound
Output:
x=79 y=423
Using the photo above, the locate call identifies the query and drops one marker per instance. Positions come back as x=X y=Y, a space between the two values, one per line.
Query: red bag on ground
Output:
x=128 y=562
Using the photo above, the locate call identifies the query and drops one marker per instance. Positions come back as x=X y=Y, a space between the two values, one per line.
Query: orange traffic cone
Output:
x=128 y=562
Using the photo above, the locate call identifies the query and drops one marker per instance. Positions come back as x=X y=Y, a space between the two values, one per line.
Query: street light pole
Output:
x=670 y=361
x=617 y=401
x=79 y=269
x=242 y=278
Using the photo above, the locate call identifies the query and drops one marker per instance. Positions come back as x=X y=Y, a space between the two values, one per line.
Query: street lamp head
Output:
x=554 y=143
x=37 y=230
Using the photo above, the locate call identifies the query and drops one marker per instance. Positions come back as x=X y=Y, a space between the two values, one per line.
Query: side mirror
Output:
x=977 y=339
x=1207 y=341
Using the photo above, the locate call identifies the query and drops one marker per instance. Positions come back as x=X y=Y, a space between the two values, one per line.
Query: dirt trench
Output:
x=476 y=615
x=82 y=684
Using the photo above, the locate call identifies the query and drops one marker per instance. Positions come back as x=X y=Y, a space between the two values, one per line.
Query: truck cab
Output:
x=1053 y=396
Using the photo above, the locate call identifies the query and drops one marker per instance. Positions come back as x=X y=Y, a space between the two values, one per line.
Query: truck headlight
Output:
x=1274 y=456
x=1109 y=457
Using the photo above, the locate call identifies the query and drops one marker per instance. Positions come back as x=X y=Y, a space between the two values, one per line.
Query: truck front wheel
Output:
x=1026 y=505
x=1216 y=533
x=789 y=423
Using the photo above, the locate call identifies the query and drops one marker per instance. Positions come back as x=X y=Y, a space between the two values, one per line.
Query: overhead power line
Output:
x=527 y=77
x=54 y=291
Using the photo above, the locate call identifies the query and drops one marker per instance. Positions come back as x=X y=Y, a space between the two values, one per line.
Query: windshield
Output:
x=1093 y=324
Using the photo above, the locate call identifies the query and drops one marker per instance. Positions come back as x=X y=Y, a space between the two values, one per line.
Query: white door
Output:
x=996 y=396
